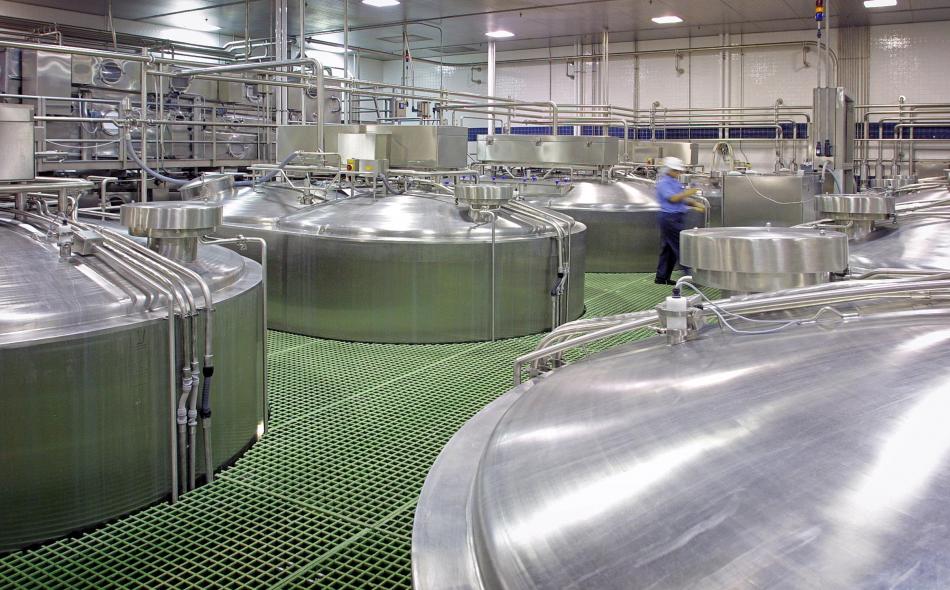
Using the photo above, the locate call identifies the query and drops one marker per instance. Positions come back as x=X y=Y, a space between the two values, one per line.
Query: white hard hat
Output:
x=674 y=163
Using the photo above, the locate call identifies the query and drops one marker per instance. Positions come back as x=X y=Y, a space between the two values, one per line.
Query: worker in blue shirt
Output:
x=675 y=202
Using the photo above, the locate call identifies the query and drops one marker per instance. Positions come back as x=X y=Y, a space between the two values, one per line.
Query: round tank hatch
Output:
x=863 y=206
x=759 y=259
x=170 y=218
x=206 y=186
x=484 y=196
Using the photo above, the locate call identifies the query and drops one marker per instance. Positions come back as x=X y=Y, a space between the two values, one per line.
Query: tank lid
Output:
x=206 y=186
x=856 y=206
x=171 y=218
x=421 y=217
x=484 y=196
x=756 y=259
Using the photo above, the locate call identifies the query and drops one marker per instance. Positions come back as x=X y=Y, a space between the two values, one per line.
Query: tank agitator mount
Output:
x=759 y=259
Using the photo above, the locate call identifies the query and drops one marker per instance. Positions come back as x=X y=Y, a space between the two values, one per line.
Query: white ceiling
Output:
x=536 y=23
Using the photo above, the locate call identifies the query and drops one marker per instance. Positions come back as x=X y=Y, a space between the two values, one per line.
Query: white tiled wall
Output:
x=910 y=60
x=906 y=59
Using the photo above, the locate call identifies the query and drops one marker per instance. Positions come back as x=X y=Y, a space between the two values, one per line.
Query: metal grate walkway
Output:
x=326 y=498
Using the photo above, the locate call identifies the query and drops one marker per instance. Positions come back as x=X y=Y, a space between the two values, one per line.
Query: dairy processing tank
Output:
x=411 y=268
x=89 y=387
x=620 y=216
x=806 y=451
x=619 y=209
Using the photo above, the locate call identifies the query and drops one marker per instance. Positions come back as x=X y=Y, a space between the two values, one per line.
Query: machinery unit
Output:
x=760 y=259
x=16 y=129
x=107 y=73
x=426 y=147
x=10 y=73
x=654 y=151
x=778 y=199
x=833 y=142
x=92 y=376
x=415 y=147
x=411 y=268
x=549 y=150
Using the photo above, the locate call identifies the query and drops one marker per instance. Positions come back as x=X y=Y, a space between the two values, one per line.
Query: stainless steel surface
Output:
x=759 y=259
x=549 y=150
x=834 y=128
x=439 y=147
x=292 y=138
x=407 y=268
x=490 y=196
x=113 y=74
x=85 y=406
x=47 y=74
x=622 y=231
x=16 y=129
x=915 y=242
x=160 y=218
x=363 y=146
x=261 y=205
x=779 y=199
x=206 y=186
x=872 y=206
x=809 y=458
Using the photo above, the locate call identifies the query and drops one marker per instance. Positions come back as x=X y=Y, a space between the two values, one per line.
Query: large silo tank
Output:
x=620 y=215
x=812 y=457
x=407 y=268
x=800 y=457
x=85 y=404
x=917 y=240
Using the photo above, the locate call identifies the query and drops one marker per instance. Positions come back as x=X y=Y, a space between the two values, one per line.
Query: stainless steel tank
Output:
x=918 y=240
x=408 y=268
x=620 y=216
x=85 y=404
x=809 y=458
x=812 y=456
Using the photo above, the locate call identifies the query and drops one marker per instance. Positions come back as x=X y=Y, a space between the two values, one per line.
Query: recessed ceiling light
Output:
x=499 y=34
x=879 y=3
x=381 y=3
x=667 y=20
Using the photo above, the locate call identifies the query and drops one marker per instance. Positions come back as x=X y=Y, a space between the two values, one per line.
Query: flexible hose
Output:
x=273 y=173
x=206 y=438
x=150 y=171
x=205 y=414
x=388 y=186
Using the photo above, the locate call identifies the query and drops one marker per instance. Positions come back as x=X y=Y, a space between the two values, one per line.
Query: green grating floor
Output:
x=326 y=498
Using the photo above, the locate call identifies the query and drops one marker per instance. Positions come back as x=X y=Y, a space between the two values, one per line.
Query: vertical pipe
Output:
x=281 y=42
x=605 y=71
x=346 y=61
x=301 y=49
x=143 y=98
x=247 y=30
x=491 y=86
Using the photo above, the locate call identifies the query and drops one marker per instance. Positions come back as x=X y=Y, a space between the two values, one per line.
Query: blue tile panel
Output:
x=799 y=130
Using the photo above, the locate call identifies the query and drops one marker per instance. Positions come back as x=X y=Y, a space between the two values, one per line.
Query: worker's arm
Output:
x=684 y=196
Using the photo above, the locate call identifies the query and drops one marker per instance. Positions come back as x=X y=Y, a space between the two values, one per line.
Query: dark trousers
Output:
x=671 y=224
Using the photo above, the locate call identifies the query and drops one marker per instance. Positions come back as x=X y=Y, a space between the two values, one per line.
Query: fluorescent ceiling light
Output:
x=667 y=20
x=879 y=3
x=499 y=34
x=381 y=3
